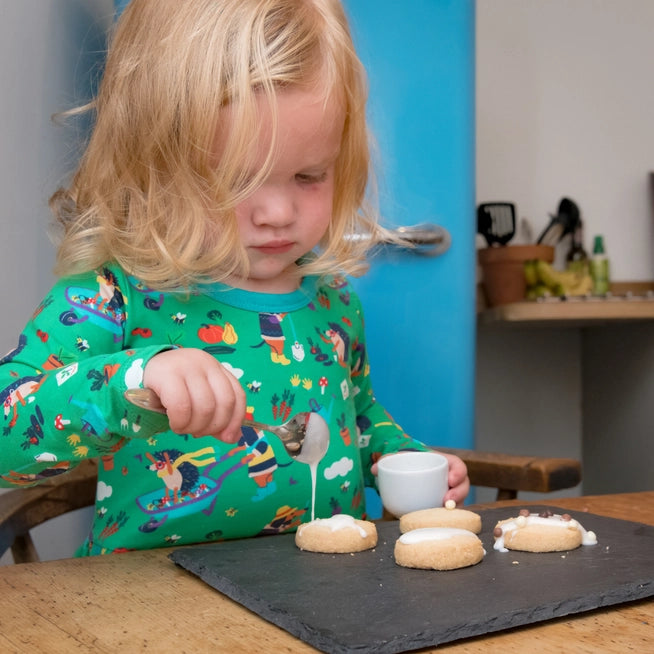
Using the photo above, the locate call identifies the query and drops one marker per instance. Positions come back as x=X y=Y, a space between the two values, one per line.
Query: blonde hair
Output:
x=149 y=193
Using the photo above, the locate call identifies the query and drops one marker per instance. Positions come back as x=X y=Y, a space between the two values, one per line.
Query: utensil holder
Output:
x=503 y=274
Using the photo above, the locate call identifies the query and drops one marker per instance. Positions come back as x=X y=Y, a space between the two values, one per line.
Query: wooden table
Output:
x=140 y=601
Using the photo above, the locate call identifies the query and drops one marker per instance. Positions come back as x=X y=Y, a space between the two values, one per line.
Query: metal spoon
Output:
x=305 y=436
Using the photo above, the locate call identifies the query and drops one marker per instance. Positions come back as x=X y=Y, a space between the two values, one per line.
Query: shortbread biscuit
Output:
x=447 y=516
x=541 y=532
x=438 y=548
x=340 y=534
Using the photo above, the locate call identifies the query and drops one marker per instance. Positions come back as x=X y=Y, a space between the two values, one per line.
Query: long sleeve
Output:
x=379 y=434
x=62 y=387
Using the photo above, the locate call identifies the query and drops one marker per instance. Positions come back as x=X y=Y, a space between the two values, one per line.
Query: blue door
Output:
x=420 y=310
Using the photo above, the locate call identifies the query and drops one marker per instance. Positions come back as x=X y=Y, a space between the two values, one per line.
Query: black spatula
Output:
x=496 y=222
x=564 y=222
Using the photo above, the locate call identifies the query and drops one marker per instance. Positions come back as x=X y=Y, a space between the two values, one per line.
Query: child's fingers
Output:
x=457 y=479
x=458 y=493
x=229 y=408
x=208 y=409
x=199 y=395
x=174 y=397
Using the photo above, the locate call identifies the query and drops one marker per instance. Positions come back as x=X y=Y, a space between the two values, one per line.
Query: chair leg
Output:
x=23 y=550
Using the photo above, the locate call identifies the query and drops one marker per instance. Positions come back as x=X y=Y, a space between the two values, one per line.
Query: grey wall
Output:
x=618 y=400
x=564 y=108
x=49 y=53
x=48 y=58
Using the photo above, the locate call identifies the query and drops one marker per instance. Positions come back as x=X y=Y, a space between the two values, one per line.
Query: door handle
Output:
x=425 y=239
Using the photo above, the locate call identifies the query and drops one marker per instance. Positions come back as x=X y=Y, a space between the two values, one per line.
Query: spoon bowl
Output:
x=305 y=436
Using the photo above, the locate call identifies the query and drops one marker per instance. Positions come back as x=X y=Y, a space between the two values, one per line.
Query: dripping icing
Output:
x=587 y=537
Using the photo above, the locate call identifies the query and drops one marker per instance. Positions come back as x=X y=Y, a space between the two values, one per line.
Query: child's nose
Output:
x=273 y=207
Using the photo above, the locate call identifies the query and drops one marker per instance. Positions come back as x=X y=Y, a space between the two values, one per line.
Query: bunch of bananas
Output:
x=545 y=281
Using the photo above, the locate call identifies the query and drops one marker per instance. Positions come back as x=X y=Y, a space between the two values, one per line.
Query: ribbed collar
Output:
x=263 y=302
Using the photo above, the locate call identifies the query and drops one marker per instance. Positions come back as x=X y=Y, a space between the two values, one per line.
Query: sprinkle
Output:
x=450 y=504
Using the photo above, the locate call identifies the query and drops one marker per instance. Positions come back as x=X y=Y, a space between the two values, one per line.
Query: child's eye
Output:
x=308 y=178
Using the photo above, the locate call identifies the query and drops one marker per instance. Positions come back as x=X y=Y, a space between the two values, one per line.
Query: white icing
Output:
x=587 y=537
x=313 y=468
x=432 y=533
x=336 y=523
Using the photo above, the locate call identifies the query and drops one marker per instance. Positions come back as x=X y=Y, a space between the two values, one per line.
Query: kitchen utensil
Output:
x=564 y=222
x=496 y=222
x=305 y=436
x=503 y=271
x=525 y=231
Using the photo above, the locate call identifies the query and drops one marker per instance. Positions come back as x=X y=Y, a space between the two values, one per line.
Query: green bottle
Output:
x=599 y=267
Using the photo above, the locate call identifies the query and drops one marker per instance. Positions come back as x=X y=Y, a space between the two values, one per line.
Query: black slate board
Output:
x=365 y=603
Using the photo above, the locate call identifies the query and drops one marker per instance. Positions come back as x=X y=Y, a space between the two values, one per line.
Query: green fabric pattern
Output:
x=89 y=341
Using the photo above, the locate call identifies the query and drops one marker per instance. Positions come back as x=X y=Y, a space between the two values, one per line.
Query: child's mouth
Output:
x=276 y=247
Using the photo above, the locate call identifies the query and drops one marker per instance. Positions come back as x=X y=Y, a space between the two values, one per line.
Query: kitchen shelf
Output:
x=628 y=302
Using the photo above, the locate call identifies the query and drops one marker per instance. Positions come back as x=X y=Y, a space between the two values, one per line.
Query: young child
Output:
x=204 y=255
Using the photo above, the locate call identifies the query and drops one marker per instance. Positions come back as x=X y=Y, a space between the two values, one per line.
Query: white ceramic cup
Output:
x=409 y=481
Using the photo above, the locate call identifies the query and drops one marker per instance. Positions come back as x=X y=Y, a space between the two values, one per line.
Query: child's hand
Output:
x=199 y=395
x=457 y=479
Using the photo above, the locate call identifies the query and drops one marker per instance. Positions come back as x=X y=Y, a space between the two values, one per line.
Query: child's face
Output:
x=286 y=217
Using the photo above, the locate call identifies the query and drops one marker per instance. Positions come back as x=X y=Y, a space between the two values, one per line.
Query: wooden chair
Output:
x=510 y=473
x=24 y=508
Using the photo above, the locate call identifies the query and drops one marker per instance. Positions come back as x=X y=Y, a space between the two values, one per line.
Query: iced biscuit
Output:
x=340 y=534
x=544 y=532
x=438 y=548
x=447 y=516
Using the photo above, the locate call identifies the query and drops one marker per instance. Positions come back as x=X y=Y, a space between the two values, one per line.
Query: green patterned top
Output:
x=89 y=340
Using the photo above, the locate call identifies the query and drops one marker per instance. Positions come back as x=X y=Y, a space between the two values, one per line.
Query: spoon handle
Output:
x=255 y=425
x=146 y=398
x=278 y=430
